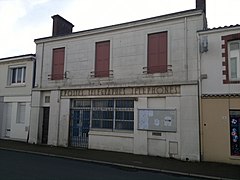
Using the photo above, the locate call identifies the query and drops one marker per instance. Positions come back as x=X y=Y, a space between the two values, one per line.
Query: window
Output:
x=110 y=114
x=102 y=59
x=103 y=114
x=234 y=61
x=157 y=53
x=47 y=99
x=124 y=114
x=17 y=75
x=58 y=64
x=21 y=113
x=235 y=132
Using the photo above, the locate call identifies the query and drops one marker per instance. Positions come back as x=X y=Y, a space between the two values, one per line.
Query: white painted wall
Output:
x=182 y=144
x=18 y=131
x=128 y=54
x=35 y=117
x=211 y=64
x=64 y=122
x=111 y=141
x=16 y=90
x=2 y=124
x=54 y=118
x=14 y=94
x=140 y=137
x=128 y=57
x=189 y=126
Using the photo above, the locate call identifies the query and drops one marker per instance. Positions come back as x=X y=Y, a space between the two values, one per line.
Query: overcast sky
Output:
x=22 y=21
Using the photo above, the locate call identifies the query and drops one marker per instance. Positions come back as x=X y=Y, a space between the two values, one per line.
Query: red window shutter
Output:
x=58 y=64
x=157 y=53
x=102 y=59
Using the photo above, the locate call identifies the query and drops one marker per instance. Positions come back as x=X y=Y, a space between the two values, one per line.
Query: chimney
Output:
x=61 y=26
x=201 y=4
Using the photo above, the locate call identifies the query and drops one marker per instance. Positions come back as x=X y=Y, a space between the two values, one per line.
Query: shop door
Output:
x=79 y=127
x=45 y=125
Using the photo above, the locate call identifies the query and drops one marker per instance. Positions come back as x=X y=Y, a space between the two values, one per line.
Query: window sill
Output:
x=116 y=133
x=15 y=85
x=234 y=81
x=234 y=157
x=166 y=74
x=101 y=79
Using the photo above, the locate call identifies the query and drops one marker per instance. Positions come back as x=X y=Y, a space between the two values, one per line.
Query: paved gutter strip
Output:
x=117 y=164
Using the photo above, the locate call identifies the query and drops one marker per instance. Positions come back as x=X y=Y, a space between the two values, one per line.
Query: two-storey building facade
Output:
x=16 y=79
x=131 y=87
x=220 y=98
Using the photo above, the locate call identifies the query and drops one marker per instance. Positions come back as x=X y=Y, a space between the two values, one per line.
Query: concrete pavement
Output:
x=166 y=165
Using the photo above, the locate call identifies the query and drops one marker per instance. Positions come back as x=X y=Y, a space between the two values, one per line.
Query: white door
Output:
x=8 y=115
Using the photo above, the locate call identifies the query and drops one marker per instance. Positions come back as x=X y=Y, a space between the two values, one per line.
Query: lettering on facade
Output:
x=152 y=90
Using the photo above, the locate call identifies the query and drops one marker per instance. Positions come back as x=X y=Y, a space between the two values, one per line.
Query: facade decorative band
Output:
x=150 y=90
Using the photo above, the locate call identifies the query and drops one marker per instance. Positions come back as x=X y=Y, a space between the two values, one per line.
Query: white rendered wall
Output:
x=35 y=117
x=18 y=131
x=182 y=144
x=128 y=55
x=64 y=122
x=211 y=65
x=54 y=118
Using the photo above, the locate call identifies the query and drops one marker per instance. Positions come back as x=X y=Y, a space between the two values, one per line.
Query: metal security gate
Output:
x=79 y=127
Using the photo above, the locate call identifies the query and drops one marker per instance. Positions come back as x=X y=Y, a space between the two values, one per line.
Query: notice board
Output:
x=157 y=119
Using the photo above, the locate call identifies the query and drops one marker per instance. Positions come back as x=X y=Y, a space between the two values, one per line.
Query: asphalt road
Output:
x=18 y=165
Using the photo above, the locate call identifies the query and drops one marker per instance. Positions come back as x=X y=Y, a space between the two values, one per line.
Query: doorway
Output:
x=79 y=127
x=45 y=125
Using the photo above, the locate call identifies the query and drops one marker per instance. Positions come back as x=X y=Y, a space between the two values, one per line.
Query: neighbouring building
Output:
x=220 y=94
x=131 y=87
x=16 y=79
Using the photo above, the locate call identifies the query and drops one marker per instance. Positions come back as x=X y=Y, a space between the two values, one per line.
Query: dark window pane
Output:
x=124 y=103
x=103 y=103
x=24 y=74
x=14 y=71
x=81 y=103
x=19 y=75
x=121 y=125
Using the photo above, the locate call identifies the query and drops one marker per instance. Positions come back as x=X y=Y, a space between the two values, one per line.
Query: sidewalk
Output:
x=196 y=169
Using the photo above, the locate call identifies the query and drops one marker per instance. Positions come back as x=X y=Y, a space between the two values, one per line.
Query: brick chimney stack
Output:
x=201 y=4
x=61 y=26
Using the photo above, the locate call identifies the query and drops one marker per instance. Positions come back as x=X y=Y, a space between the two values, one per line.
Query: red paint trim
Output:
x=227 y=39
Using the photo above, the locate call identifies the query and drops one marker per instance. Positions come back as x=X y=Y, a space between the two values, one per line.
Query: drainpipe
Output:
x=41 y=76
x=59 y=112
x=186 y=47
x=199 y=96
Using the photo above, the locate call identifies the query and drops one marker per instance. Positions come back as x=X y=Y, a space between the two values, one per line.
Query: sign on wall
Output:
x=157 y=119
x=120 y=91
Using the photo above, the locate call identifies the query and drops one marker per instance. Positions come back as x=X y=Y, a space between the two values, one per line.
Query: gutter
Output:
x=122 y=26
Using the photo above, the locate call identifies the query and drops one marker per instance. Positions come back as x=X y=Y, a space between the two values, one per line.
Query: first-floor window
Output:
x=235 y=132
x=17 y=75
x=21 y=113
x=234 y=60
